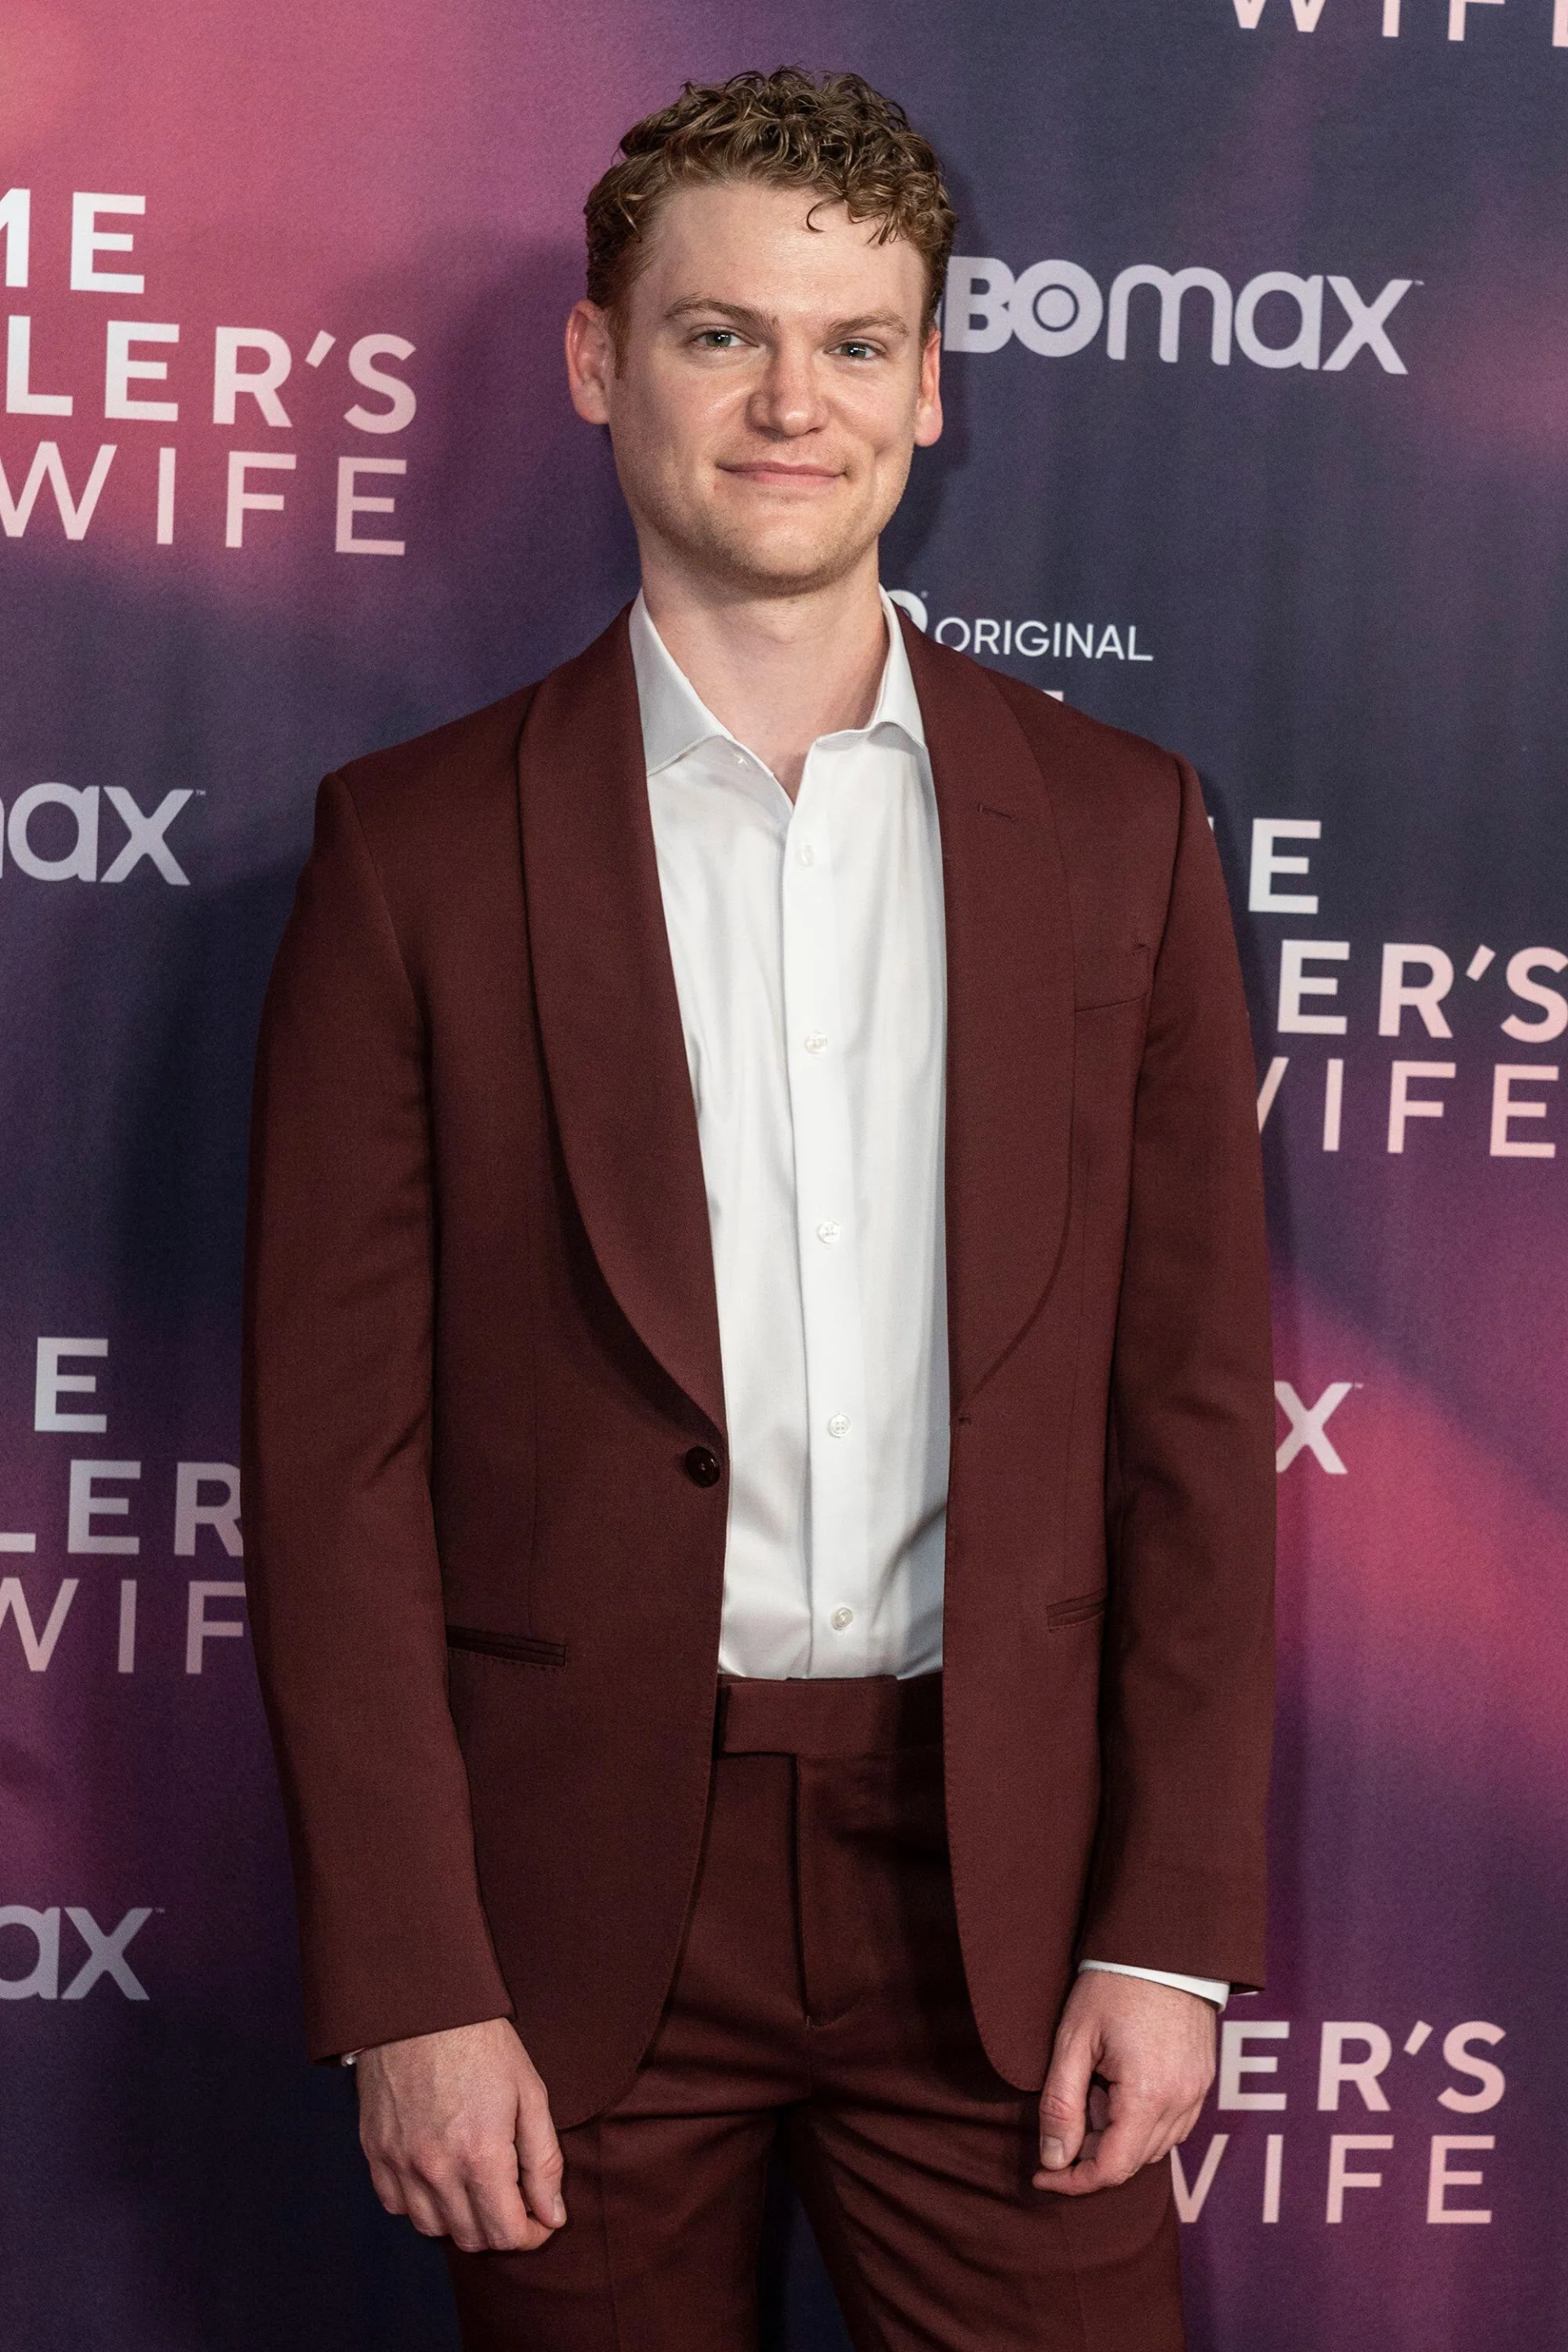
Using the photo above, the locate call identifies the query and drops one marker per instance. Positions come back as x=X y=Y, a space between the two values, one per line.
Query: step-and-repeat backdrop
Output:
x=1257 y=347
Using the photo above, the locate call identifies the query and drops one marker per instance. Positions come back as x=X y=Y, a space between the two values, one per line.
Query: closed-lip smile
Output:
x=770 y=470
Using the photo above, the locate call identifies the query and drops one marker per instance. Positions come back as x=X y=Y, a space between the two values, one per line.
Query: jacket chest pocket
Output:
x=1110 y=975
x=521 y=1649
x=1077 y=1612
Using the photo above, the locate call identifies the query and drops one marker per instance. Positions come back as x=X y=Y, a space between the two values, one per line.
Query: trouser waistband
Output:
x=869 y=1715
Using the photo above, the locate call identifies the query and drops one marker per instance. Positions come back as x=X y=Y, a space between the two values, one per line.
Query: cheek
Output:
x=692 y=421
x=654 y=434
x=882 y=419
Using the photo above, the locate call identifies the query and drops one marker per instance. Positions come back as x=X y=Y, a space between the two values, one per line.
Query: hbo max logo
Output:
x=53 y=830
x=1277 y=320
x=30 y=1943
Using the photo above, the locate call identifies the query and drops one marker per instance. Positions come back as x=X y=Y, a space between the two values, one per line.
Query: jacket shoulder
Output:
x=437 y=818
x=1117 y=803
x=1085 y=758
x=410 y=788
x=1095 y=775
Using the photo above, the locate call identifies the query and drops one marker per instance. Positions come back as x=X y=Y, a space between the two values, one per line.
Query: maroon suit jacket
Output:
x=482 y=1343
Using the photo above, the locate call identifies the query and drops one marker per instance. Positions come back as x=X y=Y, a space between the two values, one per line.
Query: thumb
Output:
x=540 y=2162
x=1064 y=2099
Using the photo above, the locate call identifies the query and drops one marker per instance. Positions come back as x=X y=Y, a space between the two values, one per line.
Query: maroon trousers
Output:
x=820 y=2007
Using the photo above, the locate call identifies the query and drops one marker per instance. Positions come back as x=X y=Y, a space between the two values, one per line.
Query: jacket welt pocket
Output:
x=1074 y=1613
x=523 y=1649
x=1117 y=978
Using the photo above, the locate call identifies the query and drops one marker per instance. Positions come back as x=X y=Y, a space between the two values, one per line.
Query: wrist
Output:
x=1213 y=1989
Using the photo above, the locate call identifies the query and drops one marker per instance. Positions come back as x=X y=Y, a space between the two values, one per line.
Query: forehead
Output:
x=740 y=241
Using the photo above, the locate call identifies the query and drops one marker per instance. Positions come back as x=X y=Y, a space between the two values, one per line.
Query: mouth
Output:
x=770 y=473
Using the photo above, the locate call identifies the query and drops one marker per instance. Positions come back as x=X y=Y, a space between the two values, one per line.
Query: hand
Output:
x=455 y=2129
x=1153 y=2049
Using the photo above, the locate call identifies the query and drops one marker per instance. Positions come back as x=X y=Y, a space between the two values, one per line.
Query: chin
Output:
x=789 y=564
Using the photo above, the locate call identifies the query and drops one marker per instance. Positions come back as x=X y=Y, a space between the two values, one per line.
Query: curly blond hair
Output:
x=837 y=136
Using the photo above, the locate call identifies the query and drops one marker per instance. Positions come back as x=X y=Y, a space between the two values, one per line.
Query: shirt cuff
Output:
x=1211 y=1988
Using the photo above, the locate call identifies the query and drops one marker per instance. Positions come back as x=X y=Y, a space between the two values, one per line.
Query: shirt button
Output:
x=839 y=1425
x=827 y=1231
x=703 y=1466
x=815 y=1042
x=841 y=1620
x=807 y=855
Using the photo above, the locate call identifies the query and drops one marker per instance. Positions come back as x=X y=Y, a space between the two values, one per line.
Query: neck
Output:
x=778 y=671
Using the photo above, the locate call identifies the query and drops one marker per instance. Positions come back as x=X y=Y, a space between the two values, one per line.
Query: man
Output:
x=759 y=1410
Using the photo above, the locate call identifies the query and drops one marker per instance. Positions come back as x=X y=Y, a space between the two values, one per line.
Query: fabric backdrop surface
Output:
x=1256 y=351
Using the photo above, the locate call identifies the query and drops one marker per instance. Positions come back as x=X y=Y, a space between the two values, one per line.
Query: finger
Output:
x=435 y=2210
x=540 y=2161
x=480 y=2217
x=502 y=2221
x=1158 y=2139
x=407 y=2183
x=387 y=2187
x=1175 y=2134
x=1182 y=2109
x=433 y=2188
x=1109 y=2156
x=1064 y=2101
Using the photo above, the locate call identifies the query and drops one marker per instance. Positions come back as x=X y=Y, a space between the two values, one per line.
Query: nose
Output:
x=787 y=400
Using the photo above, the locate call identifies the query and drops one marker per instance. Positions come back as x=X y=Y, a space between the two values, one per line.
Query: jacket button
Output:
x=703 y=1466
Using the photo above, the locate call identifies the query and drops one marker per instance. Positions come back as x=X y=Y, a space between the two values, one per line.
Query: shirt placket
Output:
x=816 y=1030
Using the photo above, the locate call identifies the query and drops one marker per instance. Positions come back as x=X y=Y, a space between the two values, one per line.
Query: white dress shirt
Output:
x=809 y=948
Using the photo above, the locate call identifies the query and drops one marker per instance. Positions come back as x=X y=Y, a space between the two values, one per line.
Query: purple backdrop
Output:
x=1300 y=514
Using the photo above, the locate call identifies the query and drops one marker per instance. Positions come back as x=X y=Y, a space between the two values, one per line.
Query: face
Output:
x=768 y=387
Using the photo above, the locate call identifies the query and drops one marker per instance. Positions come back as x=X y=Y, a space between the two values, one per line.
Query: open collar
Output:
x=610 y=1018
x=675 y=720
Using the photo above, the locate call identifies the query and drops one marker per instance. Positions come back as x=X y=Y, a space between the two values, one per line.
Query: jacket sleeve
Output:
x=1187 y=1696
x=341 y=1566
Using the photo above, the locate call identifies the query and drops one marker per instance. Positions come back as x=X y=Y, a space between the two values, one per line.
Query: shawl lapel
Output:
x=610 y=1017
x=1009 y=1011
x=608 y=1013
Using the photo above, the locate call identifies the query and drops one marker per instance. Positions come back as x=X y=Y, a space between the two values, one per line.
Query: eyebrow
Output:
x=741 y=314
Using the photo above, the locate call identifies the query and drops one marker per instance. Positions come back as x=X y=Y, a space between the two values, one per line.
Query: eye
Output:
x=717 y=339
x=856 y=349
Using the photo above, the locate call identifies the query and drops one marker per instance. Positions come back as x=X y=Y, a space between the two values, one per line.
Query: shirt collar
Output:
x=674 y=718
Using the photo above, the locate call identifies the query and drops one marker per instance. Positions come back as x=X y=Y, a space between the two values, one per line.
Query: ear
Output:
x=590 y=361
x=927 y=403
